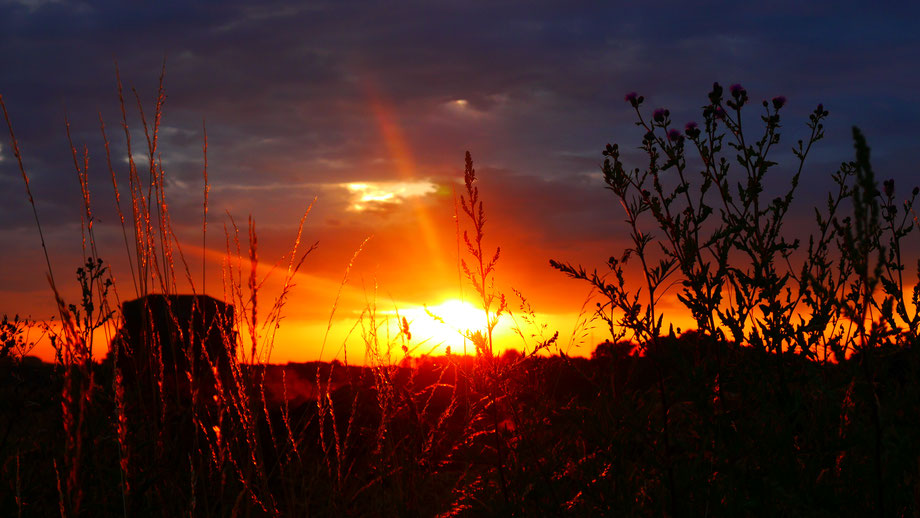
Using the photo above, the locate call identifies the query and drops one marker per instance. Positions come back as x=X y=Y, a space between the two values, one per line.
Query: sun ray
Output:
x=401 y=155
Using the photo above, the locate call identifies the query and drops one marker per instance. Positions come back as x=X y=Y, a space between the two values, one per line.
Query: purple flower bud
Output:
x=820 y=108
x=715 y=96
x=889 y=187
x=916 y=191
x=778 y=102
x=634 y=99
x=659 y=115
x=736 y=89
x=690 y=126
x=674 y=135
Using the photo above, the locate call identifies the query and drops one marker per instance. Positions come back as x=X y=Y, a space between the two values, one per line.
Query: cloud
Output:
x=371 y=196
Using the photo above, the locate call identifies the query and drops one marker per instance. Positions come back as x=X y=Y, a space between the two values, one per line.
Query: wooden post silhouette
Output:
x=177 y=342
x=172 y=351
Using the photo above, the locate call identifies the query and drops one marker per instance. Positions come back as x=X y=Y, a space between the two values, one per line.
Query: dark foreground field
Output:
x=689 y=428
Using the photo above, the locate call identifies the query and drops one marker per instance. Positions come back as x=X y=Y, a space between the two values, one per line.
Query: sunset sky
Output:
x=369 y=108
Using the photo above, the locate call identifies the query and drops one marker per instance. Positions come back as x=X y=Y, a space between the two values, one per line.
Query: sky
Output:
x=368 y=108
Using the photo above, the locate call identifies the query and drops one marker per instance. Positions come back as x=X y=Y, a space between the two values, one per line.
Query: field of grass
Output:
x=797 y=394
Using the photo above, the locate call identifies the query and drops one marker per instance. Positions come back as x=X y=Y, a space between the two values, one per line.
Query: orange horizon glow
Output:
x=433 y=329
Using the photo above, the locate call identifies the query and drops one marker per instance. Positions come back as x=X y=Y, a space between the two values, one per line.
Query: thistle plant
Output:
x=701 y=219
x=724 y=242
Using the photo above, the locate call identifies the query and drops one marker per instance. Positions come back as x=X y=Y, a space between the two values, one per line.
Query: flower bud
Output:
x=889 y=187
x=740 y=95
x=633 y=99
x=715 y=96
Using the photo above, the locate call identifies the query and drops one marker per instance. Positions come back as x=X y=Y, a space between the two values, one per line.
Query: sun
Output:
x=445 y=324
x=459 y=315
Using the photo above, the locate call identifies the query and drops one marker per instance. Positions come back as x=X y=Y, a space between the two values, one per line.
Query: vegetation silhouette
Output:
x=796 y=394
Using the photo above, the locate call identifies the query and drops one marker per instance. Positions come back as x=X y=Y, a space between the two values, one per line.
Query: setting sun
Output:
x=446 y=324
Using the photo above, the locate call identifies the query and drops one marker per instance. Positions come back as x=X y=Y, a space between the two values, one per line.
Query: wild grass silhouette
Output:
x=796 y=394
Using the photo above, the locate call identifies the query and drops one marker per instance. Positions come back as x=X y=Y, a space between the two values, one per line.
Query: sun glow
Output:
x=446 y=324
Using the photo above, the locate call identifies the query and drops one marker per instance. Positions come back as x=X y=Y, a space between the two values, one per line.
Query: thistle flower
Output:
x=660 y=115
x=889 y=187
x=778 y=102
x=631 y=98
x=691 y=129
x=715 y=96
x=674 y=135
x=739 y=94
